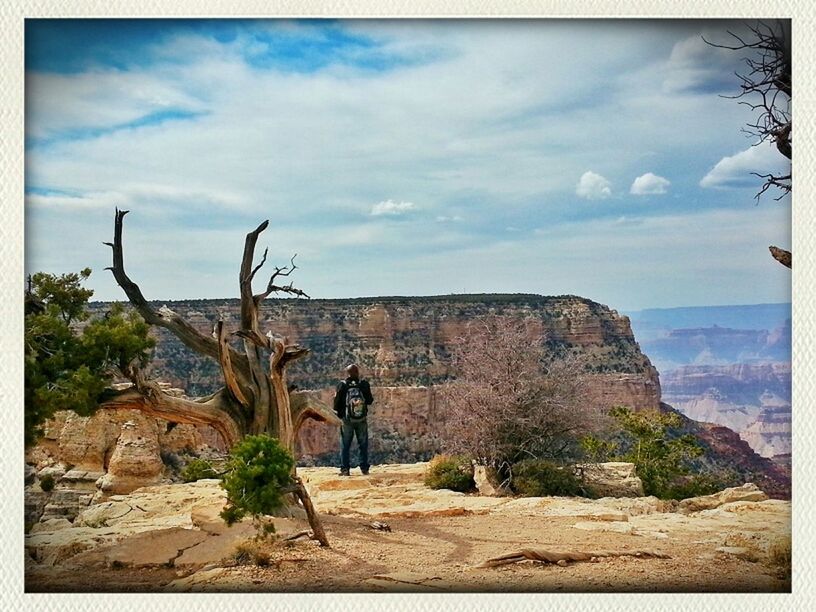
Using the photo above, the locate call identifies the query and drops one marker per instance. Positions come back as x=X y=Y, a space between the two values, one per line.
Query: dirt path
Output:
x=428 y=553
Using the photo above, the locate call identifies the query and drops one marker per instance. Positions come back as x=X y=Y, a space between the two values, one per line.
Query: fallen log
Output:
x=299 y=534
x=560 y=558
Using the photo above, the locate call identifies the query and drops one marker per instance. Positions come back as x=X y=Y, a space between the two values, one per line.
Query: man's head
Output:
x=353 y=371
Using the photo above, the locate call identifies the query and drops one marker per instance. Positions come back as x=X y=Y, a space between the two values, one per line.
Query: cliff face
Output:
x=751 y=399
x=405 y=341
x=770 y=434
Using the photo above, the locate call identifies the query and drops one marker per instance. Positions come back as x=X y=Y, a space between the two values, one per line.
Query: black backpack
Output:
x=356 y=408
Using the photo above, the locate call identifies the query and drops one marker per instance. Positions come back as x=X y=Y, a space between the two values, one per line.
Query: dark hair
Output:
x=353 y=371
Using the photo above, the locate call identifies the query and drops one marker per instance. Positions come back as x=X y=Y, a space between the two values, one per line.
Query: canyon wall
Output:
x=402 y=345
x=405 y=341
x=752 y=399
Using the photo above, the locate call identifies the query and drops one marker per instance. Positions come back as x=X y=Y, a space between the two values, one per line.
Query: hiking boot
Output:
x=364 y=471
x=344 y=473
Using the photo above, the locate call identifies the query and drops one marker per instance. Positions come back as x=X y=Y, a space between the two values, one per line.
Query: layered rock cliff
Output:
x=404 y=341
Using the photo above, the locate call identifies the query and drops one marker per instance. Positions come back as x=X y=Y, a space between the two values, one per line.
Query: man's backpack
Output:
x=356 y=409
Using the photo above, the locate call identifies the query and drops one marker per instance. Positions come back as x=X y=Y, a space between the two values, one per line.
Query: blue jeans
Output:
x=348 y=429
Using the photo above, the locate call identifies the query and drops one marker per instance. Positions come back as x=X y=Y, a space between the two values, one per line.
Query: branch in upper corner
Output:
x=781 y=255
x=771 y=180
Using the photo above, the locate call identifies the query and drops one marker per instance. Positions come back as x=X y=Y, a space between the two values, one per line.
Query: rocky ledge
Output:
x=440 y=537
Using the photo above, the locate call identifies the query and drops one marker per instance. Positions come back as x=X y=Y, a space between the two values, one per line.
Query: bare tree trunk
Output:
x=311 y=514
x=256 y=398
x=214 y=411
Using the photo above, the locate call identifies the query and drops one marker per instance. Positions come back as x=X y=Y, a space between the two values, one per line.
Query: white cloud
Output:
x=650 y=184
x=735 y=170
x=390 y=207
x=696 y=66
x=475 y=131
x=593 y=186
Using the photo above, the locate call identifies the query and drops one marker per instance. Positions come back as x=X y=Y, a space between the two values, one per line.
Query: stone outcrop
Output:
x=110 y=452
x=178 y=526
x=748 y=492
x=136 y=460
x=611 y=479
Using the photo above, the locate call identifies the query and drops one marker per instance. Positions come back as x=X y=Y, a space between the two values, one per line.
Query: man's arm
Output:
x=366 y=389
x=339 y=399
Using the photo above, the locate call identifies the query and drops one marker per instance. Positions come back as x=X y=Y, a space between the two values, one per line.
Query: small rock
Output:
x=55 y=471
x=562 y=563
x=485 y=484
x=54 y=524
x=380 y=526
x=737 y=551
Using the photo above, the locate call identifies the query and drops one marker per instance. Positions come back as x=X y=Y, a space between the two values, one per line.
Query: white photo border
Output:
x=12 y=17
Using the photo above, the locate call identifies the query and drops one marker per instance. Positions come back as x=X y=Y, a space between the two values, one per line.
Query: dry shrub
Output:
x=251 y=552
x=780 y=556
x=512 y=399
x=454 y=472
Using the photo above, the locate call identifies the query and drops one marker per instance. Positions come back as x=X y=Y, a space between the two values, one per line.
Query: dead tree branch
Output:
x=561 y=558
x=164 y=317
x=781 y=255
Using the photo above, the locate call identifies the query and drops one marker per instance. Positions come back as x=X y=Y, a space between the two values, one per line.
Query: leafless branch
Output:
x=164 y=317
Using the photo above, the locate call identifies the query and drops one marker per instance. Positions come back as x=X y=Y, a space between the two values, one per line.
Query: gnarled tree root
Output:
x=547 y=556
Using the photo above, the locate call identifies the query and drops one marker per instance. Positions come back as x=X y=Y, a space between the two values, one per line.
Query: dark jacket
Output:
x=340 y=396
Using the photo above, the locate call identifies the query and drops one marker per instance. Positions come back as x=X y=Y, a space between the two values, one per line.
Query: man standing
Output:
x=351 y=402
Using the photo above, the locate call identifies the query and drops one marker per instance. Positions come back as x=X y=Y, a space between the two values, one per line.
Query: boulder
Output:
x=153 y=548
x=103 y=515
x=54 y=524
x=30 y=474
x=35 y=501
x=84 y=441
x=135 y=461
x=55 y=471
x=611 y=479
x=748 y=492
x=486 y=483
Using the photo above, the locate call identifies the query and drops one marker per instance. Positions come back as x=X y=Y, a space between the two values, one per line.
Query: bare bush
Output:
x=511 y=401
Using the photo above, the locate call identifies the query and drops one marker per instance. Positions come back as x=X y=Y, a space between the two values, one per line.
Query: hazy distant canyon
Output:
x=725 y=365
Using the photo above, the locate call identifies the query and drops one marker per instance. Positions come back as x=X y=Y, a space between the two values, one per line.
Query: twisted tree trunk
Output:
x=255 y=398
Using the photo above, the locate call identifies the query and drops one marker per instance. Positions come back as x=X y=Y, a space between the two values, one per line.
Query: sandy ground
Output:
x=438 y=538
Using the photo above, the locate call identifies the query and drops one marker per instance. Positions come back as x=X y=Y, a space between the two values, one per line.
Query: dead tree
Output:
x=255 y=398
x=766 y=89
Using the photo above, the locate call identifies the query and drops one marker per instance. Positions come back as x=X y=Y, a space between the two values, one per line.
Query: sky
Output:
x=595 y=158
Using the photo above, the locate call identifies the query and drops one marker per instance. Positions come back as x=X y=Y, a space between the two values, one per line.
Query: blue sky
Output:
x=595 y=158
